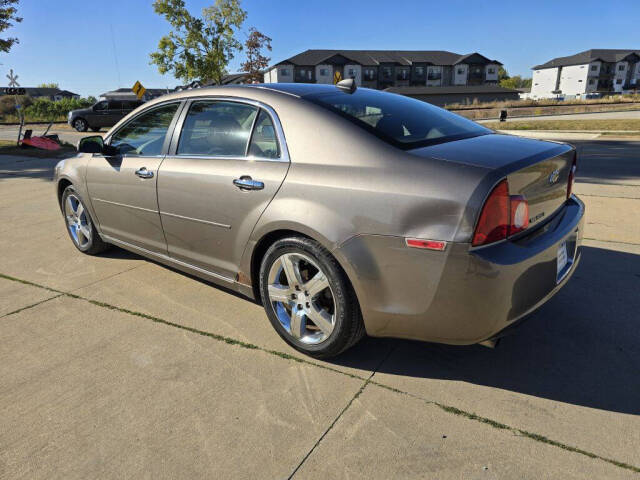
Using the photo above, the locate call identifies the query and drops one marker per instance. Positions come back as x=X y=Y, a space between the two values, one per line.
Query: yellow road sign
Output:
x=138 y=89
x=337 y=76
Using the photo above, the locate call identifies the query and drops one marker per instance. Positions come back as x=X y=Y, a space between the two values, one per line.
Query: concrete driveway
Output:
x=116 y=367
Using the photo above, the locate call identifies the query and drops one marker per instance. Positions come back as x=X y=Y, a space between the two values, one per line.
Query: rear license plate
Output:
x=563 y=259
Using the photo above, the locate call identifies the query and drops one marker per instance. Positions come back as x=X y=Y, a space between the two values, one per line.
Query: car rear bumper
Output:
x=462 y=295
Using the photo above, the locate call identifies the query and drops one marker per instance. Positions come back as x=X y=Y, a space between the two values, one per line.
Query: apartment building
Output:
x=383 y=69
x=592 y=71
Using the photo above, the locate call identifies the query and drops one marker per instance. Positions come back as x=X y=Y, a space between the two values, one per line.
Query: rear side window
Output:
x=264 y=143
x=402 y=121
x=145 y=134
x=217 y=128
x=115 y=104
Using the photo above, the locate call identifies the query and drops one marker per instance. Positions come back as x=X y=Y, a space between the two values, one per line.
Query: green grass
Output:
x=626 y=125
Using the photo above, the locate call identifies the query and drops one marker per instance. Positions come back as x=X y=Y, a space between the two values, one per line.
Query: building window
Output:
x=461 y=71
x=491 y=71
x=621 y=68
x=370 y=74
x=434 y=75
x=420 y=71
x=284 y=72
x=579 y=81
x=592 y=81
x=594 y=68
x=619 y=81
x=403 y=74
x=386 y=72
x=352 y=73
x=324 y=72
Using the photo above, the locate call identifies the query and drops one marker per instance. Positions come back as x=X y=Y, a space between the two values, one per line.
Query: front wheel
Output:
x=80 y=227
x=308 y=298
x=80 y=124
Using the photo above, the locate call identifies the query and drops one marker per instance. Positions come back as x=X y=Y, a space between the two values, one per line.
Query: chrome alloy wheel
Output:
x=301 y=297
x=78 y=221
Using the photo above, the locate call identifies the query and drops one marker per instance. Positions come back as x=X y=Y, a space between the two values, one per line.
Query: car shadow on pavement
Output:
x=582 y=347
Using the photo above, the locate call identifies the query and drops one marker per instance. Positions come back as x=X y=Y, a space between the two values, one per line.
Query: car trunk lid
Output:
x=537 y=170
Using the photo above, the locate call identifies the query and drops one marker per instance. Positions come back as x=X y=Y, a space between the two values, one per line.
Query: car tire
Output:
x=95 y=129
x=320 y=321
x=80 y=226
x=80 y=124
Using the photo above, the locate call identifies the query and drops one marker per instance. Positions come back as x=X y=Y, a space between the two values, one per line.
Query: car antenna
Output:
x=347 y=85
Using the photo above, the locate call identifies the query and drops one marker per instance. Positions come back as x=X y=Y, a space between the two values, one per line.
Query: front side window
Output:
x=217 y=128
x=264 y=143
x=145 y=134
x=101 y=106
x=401 y=121
x=115 y=104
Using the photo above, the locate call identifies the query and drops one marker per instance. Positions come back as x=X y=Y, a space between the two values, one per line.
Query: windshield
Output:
x=402 y=121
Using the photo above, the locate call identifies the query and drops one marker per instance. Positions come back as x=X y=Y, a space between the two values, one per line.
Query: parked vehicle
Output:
x=343 y=210
x=105 y=113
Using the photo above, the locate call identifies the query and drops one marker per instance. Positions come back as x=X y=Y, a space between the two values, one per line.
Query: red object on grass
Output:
x=43 y=143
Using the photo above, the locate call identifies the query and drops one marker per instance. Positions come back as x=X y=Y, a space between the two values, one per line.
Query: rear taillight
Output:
x=502 y=215
x=519 y=214
x=493 y=224
x=572 y=175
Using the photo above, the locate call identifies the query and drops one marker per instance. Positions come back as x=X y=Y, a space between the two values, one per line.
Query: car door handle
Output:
x=247 y=183
x=144 y=173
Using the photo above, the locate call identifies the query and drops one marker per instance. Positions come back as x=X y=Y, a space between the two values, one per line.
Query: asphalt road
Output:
x=114 y=366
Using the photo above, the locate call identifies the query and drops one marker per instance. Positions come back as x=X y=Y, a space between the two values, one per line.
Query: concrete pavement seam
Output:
x=610 y=241
x=330 y=427
x=31 y=306
x=367 y=381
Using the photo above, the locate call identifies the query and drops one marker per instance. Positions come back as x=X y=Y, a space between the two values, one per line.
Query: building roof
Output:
x=377 y=57
x=588 y=56
x=463 y=89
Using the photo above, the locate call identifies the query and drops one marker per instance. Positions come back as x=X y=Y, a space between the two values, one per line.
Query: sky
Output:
x=90 y=46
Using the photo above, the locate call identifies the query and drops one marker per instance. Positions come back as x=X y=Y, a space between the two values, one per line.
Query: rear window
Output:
x=402 y=121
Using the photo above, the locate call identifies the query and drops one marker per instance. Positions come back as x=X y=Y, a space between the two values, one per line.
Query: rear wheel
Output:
x=80 y=227
x=308 y=298
x=80 y=124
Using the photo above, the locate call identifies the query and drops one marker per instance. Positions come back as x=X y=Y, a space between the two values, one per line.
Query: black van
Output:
x=105 y=113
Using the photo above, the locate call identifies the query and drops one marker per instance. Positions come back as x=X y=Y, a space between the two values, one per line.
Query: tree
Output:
x=198 y=47
x=502 y=74
x=48 y=85
x=256 y=61
x=516 y=82
x=8 y=15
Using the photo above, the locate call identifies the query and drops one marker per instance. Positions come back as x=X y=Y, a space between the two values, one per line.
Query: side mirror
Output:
x=93 y=144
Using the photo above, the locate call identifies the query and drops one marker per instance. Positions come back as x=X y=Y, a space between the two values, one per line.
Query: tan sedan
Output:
x=343 y=210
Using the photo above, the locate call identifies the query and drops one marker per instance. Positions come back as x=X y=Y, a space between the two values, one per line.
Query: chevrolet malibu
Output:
x=343 y=210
